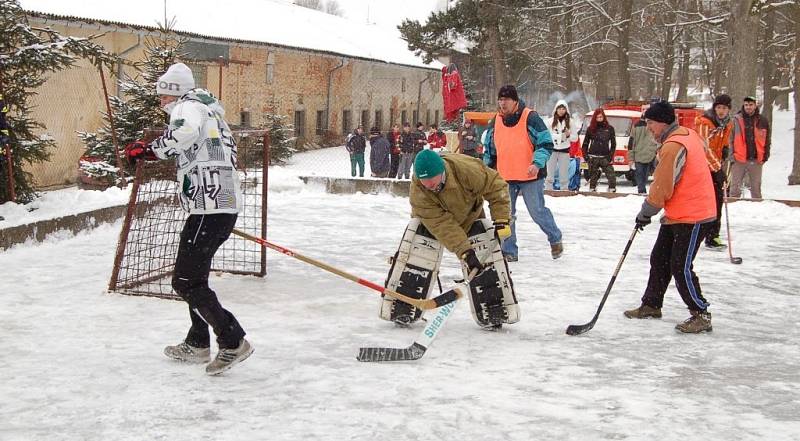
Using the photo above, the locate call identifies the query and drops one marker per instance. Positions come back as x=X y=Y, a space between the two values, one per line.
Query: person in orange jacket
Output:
x=714 y=126
x=682 y=187
x=750 y=140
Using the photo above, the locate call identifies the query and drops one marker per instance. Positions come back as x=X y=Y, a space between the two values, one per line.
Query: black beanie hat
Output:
x=661 y=111
x=723 y=99
x=508 y=91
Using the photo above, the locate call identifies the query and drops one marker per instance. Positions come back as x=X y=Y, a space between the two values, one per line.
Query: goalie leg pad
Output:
x=491 y=293
x=415 y=266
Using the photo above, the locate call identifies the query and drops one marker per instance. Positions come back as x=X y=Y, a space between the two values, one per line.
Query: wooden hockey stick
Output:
x=424 y=304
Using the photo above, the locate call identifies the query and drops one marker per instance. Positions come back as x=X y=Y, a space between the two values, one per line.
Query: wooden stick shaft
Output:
x=419 y=303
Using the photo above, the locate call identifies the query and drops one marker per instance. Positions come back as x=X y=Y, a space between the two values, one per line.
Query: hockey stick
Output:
x=424 y=304
x=420 y=345
x=580 y=329
x=425 y=339
x=734 y=260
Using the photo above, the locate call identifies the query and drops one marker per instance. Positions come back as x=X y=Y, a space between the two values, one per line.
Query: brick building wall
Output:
x=256 y=79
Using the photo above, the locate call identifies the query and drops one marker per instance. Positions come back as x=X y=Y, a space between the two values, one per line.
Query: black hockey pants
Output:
x=718 y=178
x=202 y=235
x=672 y=256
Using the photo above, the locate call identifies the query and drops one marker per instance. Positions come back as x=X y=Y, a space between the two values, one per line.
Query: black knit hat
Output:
x=508 y=91
x=661 y=111
x=723 y=99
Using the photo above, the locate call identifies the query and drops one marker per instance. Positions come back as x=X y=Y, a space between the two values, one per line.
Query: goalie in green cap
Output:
x=447 y=208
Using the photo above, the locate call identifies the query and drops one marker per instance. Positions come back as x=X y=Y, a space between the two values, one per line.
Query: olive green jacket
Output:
x=449 y=214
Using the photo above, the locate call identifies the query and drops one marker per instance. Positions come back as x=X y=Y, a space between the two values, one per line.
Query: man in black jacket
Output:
x=356 y=145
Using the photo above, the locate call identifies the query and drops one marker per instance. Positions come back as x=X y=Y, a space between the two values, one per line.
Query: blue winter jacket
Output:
x=538 y=133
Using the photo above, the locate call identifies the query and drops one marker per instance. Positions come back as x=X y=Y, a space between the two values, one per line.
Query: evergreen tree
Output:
x=281 y=141
x=26 y=55
x=139 y=111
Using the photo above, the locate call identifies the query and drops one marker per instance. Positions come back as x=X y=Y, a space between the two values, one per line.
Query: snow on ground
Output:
x=58 y=203
x=82 y=364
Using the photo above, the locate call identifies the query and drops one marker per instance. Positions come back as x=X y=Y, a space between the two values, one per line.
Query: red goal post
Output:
x=150 y=234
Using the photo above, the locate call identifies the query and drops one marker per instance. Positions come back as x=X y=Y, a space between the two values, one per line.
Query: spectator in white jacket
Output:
x=562 y=135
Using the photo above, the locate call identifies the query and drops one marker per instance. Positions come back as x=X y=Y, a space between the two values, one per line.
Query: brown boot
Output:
x=643 y=312
x=556 y=250
x=697 y=323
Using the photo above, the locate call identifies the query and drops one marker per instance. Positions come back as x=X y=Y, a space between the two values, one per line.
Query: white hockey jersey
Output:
x=205 y=152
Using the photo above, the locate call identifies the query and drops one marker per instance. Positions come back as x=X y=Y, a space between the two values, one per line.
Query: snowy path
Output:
x=80 y=364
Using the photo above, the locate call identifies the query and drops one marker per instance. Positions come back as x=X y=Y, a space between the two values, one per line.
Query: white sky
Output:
x=387 y=12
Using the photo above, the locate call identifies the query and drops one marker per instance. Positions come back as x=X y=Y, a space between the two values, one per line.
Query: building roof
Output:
x=248 y=21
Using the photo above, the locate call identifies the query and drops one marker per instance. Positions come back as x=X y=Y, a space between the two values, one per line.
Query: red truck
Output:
x=623 y=115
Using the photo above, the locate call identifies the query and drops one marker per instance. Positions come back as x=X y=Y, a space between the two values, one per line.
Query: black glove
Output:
x=472 y=261
x=726 y=153
x=642 y=221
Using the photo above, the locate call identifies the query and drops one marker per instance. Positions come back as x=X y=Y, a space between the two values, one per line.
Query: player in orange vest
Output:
x=518 y=144
x=682 y=187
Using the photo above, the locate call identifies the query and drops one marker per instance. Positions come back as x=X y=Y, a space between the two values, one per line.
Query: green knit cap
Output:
x=428 y=164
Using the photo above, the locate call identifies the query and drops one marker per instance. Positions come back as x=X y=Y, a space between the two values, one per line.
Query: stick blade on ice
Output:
x=579 y=329
x=413 y=352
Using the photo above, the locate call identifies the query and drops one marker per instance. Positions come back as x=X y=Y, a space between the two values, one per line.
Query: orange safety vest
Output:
x=693 y=198
x=740 y=145
x=514 y=148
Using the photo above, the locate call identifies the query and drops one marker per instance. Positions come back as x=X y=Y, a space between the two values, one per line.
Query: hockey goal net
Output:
x=148 y=241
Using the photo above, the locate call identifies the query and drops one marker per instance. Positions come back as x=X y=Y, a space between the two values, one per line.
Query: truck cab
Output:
x=623 y=115
x=623 y=121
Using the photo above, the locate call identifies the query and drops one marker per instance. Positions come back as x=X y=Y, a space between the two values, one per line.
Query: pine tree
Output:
x=139 y=111
x=26 y=54
x=281 y=141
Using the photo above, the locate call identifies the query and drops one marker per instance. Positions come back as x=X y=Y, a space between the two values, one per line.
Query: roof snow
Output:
x=263 y=21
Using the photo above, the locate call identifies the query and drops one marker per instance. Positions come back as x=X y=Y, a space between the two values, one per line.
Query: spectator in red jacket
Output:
x=394 y=156
x=436 y=138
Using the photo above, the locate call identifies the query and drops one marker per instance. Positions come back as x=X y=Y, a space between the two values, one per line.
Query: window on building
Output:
x=346 y=122
x=200 y=74
x=379 y=119
x=403 y=117
x=428 y=117
x=244 y=119
x=270 y=68
x=320 y=122
x=403 y=85
x=300 y=123
x=436 y=118
x=415 y=118
x=365 y=120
